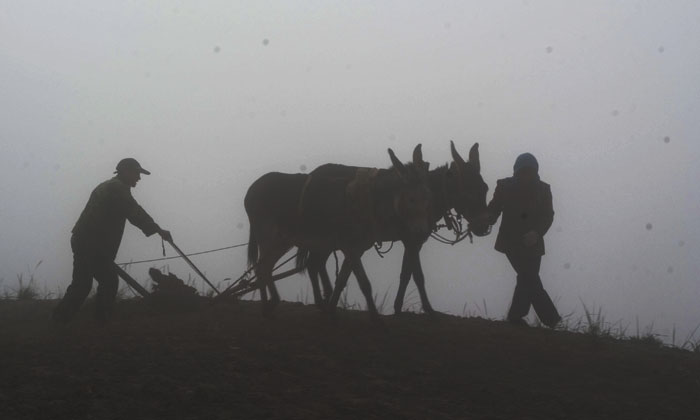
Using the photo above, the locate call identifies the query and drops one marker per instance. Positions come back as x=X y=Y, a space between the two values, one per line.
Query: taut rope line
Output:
x=187 y=255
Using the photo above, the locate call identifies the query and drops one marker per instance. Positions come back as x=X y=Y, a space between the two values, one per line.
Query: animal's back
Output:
x=274 y=193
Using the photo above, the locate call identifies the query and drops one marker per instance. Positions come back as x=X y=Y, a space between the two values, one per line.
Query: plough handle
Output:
x=131 y=282
x=182 y=254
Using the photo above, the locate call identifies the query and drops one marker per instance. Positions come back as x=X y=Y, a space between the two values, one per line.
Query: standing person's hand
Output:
x=165 y=234
x=530 y=238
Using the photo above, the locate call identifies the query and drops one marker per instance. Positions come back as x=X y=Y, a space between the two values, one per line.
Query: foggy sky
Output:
x=210 y=96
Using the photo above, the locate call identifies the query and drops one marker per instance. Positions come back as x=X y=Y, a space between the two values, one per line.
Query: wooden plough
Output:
x=247 y=282
x=243 y=285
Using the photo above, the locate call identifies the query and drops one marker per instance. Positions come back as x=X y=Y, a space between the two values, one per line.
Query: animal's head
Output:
x=468 y=189
x=412 y=193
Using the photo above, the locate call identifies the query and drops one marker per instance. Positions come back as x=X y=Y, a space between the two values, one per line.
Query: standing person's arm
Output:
x=138 y=217
x=546 y=216
x=495 y=206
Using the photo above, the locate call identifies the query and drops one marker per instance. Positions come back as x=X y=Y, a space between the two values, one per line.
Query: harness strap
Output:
x=445 y=196
x=300 y=206
x=359 y=190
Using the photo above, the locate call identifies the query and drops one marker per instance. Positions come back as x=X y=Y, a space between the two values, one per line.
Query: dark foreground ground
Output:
x=227 y=362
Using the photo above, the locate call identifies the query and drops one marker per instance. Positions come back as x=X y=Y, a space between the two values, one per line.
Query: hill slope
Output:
x=226 y=361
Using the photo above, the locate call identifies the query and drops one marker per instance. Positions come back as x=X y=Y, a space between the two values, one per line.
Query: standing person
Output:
x=96 y=238
x=526 y=204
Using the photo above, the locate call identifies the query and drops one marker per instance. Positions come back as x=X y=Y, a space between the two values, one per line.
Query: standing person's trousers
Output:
x=529 y=290
x=87 y=264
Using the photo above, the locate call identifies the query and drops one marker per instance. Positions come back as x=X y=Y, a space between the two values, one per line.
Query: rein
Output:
x=453 y=222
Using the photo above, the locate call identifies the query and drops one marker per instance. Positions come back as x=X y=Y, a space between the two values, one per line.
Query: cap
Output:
x=130 y=164
x=525 y=160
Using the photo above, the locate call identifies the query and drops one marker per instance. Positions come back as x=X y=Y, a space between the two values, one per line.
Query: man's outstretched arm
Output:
x=138 y=217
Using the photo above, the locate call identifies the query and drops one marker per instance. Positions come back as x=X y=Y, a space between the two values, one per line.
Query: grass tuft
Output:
x=381 y=304
x=650 y=339
x=26 y=291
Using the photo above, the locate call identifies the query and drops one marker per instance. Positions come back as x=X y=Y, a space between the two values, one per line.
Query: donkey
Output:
x=459 y=186
x=319 y=213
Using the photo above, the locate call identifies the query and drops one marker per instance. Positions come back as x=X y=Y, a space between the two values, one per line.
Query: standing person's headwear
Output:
x=130 y=164
x=525 y=160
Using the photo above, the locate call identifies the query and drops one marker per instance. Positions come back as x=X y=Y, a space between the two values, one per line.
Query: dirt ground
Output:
x=226 y=361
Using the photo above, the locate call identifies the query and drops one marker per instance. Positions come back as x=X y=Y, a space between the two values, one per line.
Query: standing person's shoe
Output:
x=518 y=322
x=554 y=323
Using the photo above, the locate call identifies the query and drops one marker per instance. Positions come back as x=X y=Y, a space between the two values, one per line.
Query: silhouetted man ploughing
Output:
x=96 y=238
x=526 y=204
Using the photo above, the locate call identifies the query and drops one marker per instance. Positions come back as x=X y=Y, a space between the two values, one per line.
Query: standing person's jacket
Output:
x=100 y=226
x=525 y=208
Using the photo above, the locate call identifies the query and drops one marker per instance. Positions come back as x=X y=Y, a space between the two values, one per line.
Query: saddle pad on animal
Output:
x=359 y=192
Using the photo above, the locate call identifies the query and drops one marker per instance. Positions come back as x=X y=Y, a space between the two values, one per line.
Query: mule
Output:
x=319 y=213
x=459 y=186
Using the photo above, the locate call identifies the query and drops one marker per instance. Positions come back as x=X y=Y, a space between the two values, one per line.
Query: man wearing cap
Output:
x=96 y=238
x=526 y=204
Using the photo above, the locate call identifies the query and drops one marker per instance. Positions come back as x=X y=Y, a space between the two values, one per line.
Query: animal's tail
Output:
x=252 y=247
x=302 y=259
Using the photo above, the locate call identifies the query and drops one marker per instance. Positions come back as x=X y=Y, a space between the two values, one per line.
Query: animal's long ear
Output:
x=455 y=156
x=418 y=158
x=474 y=157
x=418 y=155
x=400 y=168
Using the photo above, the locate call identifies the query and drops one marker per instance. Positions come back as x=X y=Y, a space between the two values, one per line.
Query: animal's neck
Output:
x=437 y=178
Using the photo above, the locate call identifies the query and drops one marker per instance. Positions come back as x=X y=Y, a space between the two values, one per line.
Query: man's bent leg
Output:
x=544 y=307
x=83 y=271
x=108 y=283
x=520 y=305
x=541 y=302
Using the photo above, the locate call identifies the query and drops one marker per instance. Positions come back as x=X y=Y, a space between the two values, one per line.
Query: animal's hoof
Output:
x=434 y=315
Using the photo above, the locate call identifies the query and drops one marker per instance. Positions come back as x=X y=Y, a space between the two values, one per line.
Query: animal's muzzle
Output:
x=479 y=229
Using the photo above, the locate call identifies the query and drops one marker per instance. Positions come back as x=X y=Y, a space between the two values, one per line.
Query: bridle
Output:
x=453 y=221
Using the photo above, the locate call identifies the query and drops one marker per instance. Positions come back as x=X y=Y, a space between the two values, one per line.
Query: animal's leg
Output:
x=274 y=296
x=404 y=278
x=419 y=279
x=312 y=268
x=268 y=258
x=261 y=273
x=365 y=287
x=340 y=283
x=325 y=280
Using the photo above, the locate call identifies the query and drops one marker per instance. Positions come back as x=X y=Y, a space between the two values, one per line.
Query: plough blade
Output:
x=251 y=284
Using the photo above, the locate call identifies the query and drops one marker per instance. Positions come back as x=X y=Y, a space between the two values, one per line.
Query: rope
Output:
x=187 y=255
x=458 y=238
x=246 y=280
x=380 y=252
